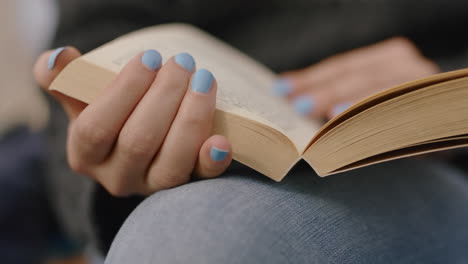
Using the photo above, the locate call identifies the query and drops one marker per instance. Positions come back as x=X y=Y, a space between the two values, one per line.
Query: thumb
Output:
x=48 y=66
x=214 y=158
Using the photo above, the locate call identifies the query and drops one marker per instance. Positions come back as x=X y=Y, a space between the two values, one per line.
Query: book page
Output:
x=243 y=84
x=416 y=117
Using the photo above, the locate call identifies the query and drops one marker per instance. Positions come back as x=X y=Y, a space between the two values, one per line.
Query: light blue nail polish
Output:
x=304 y=105
x=185 y=60
x=340 y=108
x=152 y=59
x=217 y=154
x=282 y=87
x=202 y=81
x=53 y=57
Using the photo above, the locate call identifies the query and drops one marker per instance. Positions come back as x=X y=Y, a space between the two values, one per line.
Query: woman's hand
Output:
x=329 y=87
x=150 y=128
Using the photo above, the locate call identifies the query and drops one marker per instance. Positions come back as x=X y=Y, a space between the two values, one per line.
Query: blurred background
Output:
x=26 y=28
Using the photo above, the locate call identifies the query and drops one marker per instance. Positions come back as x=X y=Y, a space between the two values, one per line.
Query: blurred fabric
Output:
x=26 y=220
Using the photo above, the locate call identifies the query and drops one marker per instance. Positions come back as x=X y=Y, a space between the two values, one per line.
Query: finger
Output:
x=146 y=128
x=324 y=71
x=337 y=109
x=357 y=84
x=340 y=93
x=214 y=158
x=349 y=88
x=48 y=66
x=176 y=159
x=95 y=131
x=296 y=82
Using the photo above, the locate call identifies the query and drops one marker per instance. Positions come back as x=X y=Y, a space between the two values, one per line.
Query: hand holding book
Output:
x=330 y=86
x=151 y=128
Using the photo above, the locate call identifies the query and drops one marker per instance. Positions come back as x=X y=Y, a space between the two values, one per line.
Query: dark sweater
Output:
x=283 y=35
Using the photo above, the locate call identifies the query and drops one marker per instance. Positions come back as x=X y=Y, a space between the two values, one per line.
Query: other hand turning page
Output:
x=417 y=117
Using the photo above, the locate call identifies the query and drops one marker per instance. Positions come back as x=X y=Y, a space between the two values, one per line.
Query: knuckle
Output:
x=136 y=146
x=429 y=67
x=402 y=46
x=122 y=182
x=334 y=60
x=77 y=165
x=167 y=178
x=197 y=121
x=117 y=189
x=91 y=134
x=401 y=41
x=76 y=162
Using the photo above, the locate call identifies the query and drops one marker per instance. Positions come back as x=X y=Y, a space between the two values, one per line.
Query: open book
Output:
x=417 y=117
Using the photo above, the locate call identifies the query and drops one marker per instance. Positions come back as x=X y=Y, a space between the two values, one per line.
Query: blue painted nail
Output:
x=282 y=87
x=53 y=57
x=340 y=108
x=152 y=59
x=304 y=105
x=202 y=81
x=217 y=154
x=185 y=60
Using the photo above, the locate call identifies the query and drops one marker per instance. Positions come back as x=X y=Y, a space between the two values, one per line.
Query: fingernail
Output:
x=340 y=108
x=152 y=59
x=53 y=57
x=282 y=87
x=202 y=81
x=185 y=60
x=217 y=154
x=304 y=105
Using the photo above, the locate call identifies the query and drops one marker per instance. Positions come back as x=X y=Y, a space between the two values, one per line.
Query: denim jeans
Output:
x=29 y=230
x=406 y=211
